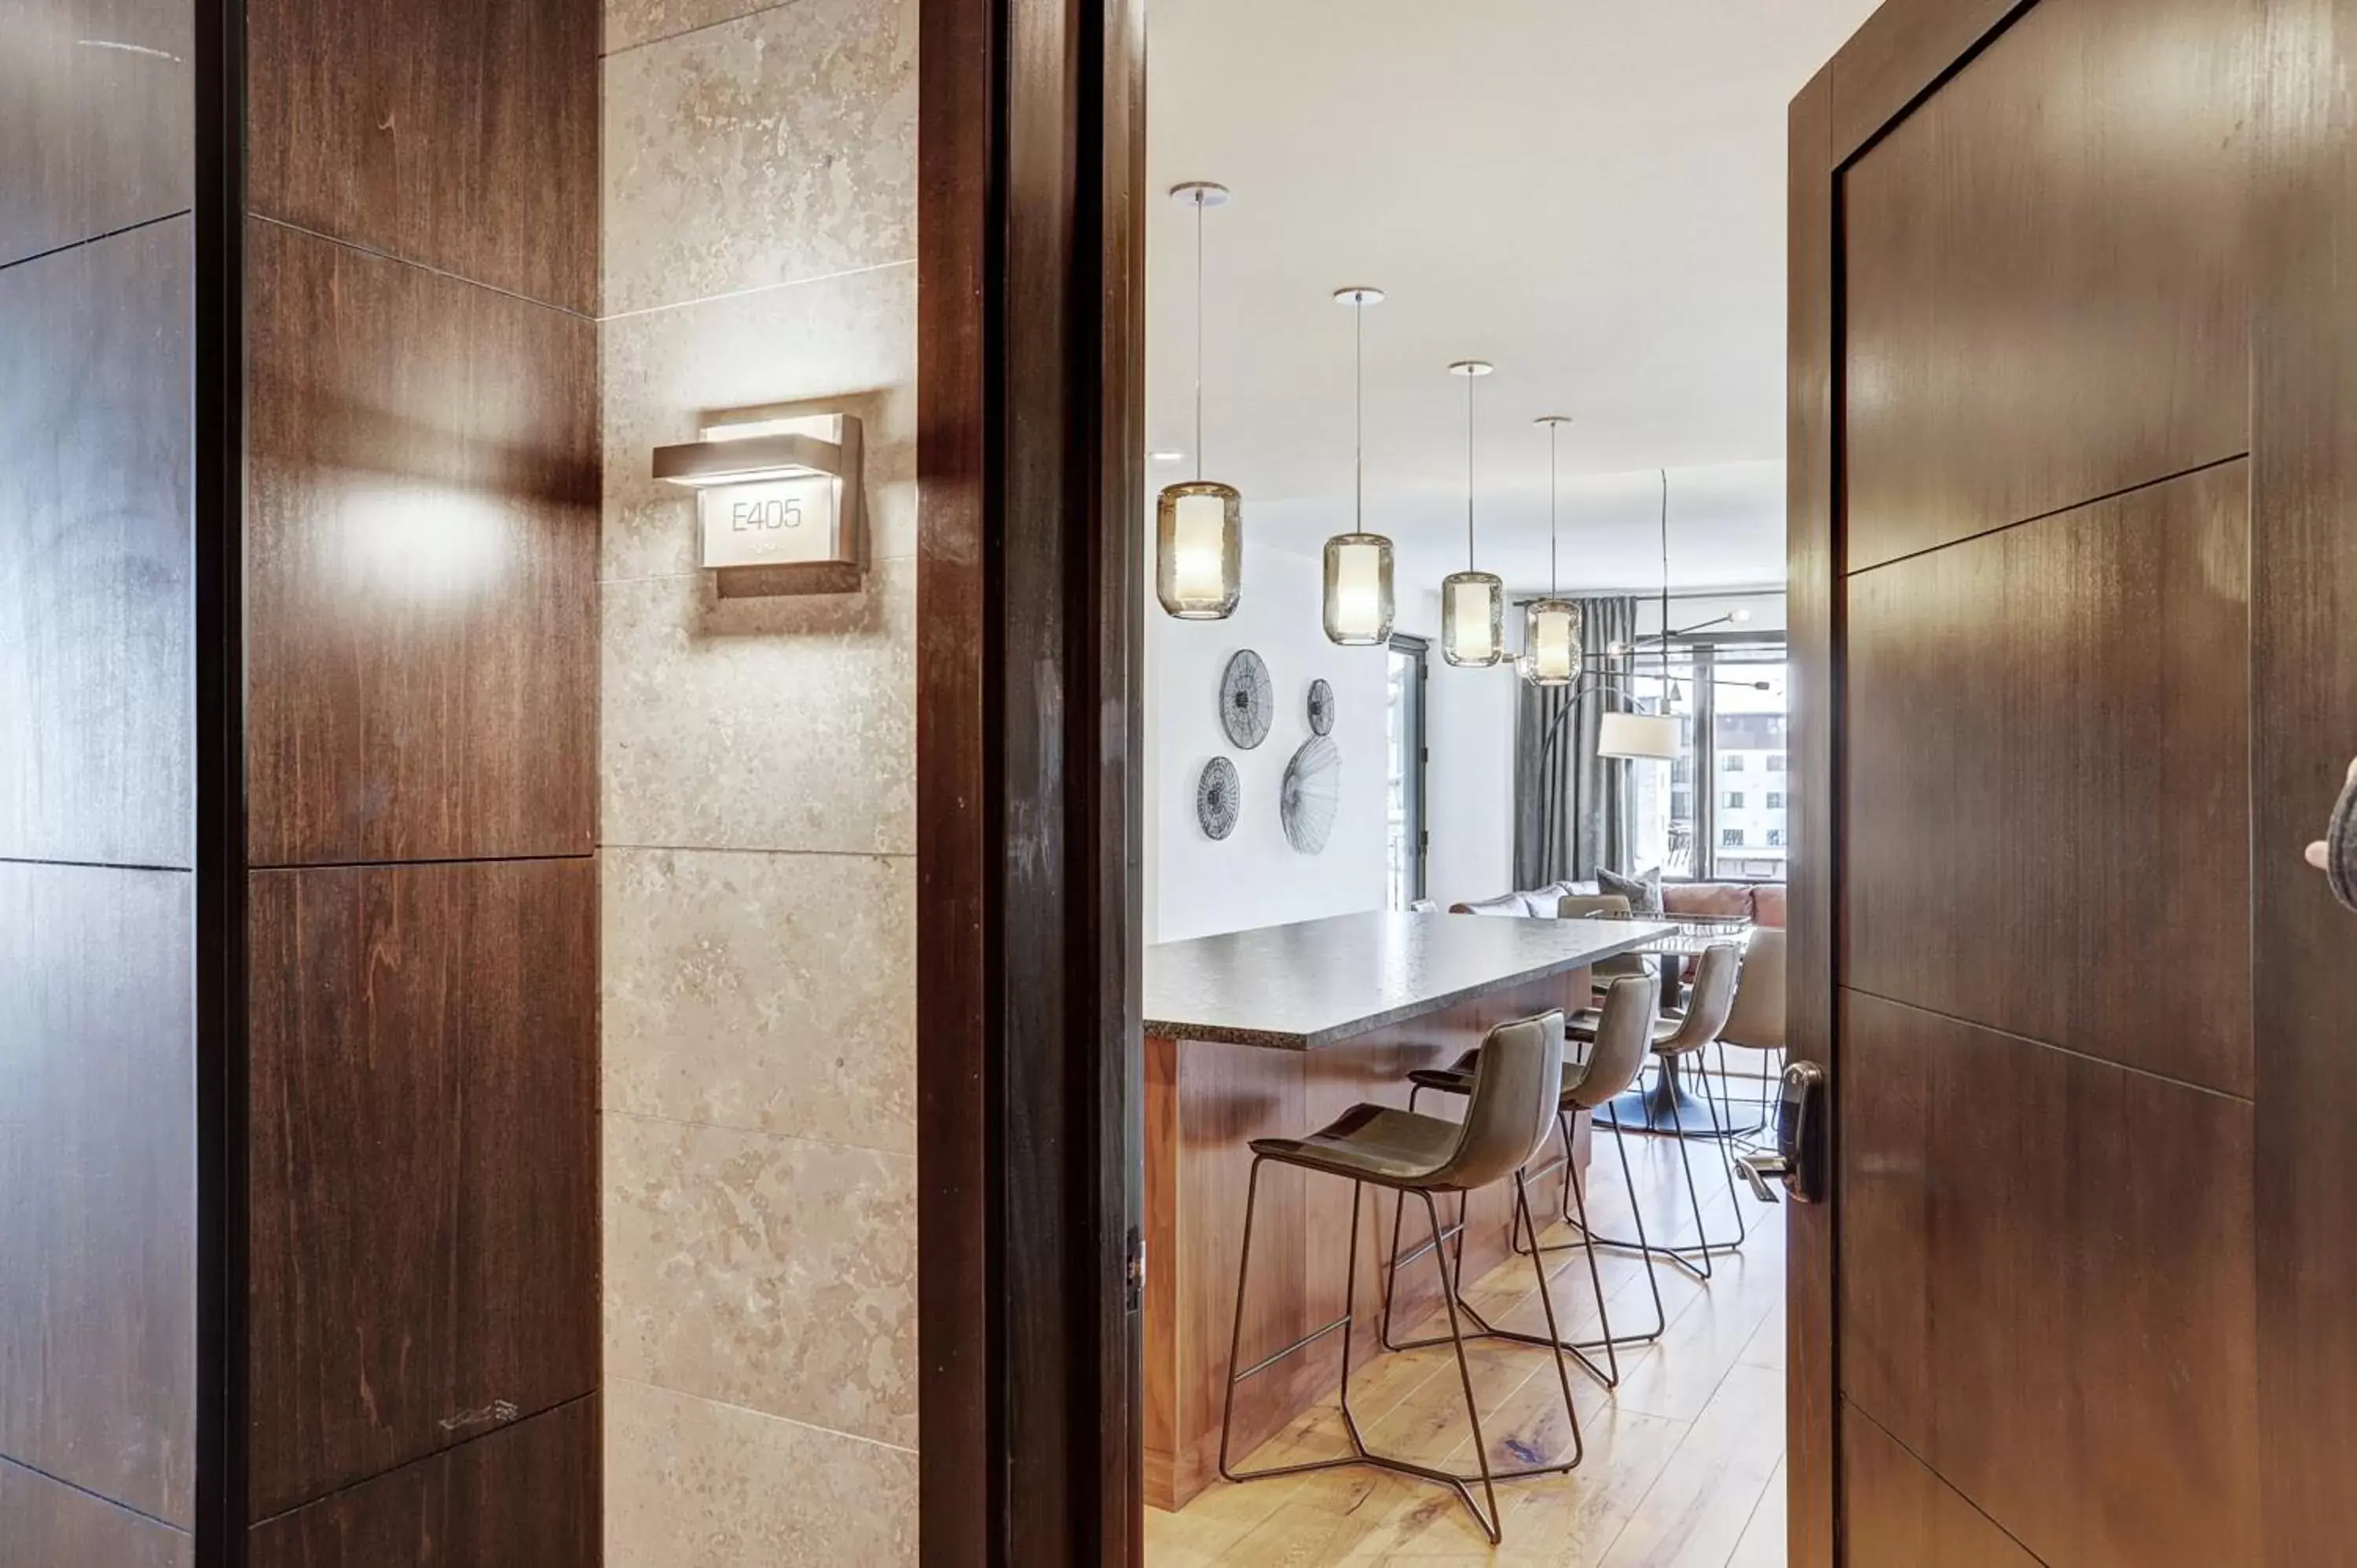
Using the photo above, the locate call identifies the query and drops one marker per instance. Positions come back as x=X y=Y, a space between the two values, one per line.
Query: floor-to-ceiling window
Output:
x=1405 y=838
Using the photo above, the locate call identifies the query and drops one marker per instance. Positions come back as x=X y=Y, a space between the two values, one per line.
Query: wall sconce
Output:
x=778 y=501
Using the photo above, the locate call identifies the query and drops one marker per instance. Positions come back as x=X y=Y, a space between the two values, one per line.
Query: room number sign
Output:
x=771 y=522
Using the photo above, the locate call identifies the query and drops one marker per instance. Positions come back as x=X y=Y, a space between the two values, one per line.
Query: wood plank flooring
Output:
x=1683 y=1466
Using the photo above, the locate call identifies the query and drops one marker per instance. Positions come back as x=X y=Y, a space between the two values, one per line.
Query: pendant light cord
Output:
x=1470 y=379
x=1554 y=523
x=1359 y=415
x=1198 y=337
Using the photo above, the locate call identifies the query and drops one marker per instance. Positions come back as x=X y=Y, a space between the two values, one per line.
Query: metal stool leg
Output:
x=1236 y=1346
x=1492 y=1521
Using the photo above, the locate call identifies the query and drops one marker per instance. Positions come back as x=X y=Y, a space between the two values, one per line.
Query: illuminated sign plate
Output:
x=772 y=522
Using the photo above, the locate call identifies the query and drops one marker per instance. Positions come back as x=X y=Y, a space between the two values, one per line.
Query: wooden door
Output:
x=2072 y=605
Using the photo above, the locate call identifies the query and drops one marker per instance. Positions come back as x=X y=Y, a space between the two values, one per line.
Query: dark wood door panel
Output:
x=2304 y=663
x=2047 y=780
x=422 y=541
x=2044 y=275
x=98 y=1218
x=97 y=608
x=45 y=1525
x=464 y=137
x=526 y=1496
x=97 y=118
x=2046 y=1293
x=424 y=1227
x=1904 y=1515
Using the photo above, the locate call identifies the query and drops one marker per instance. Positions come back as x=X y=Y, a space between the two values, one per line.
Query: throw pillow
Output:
x=1643 y=893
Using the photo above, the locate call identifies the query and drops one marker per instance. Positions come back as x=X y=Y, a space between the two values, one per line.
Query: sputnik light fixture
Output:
x=1199 y=522
x=1550 y=626
x=1472 y=602
x=1359 y=563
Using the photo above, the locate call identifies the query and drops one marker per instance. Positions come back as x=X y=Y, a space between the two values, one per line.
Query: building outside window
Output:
x=1727 y=725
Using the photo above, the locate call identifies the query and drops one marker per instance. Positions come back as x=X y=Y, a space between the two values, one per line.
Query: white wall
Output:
x=1196 y=886
x=1469 y=804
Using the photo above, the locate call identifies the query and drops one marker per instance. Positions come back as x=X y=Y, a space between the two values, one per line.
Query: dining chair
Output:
x=1624 y=1034
x=1508 y=1115
x=1756 y=1021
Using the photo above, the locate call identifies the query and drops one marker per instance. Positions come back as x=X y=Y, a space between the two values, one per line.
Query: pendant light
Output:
x=1648 y=738
x=1550 y=626
x=1199 y=523
x=1472 y=602
x=1359 y=563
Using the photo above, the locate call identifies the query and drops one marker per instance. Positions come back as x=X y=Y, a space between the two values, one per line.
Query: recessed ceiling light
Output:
x=1169 y=457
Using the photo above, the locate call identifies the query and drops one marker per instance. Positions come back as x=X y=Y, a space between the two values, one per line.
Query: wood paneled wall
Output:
x=421 y=536
x=98 y=1097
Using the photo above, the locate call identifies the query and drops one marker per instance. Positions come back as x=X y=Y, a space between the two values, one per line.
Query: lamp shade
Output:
x=1199 y=550
x=1472 y=618
x=1358 y=589
x=1551 y=653
x=1637 y=737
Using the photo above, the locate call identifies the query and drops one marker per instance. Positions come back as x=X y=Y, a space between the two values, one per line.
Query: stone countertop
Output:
x=1321 y=982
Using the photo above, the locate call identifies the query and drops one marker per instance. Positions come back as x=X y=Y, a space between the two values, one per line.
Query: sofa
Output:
x=1761 y=903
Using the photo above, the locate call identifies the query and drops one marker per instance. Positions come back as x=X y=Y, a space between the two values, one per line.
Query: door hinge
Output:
x=1133 y=1272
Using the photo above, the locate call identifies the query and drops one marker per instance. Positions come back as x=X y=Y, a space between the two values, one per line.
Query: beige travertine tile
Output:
x=777 y=1273
x=692 y=1483
x=774 y=993
x=632 y=23
x=777 y=147
x=845 y=344
x=781 y=723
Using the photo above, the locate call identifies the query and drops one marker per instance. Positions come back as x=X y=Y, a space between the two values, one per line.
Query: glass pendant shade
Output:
x=1551 y=655
x=1358 y=589
x=1472 y=618
x=1637 y=737
x=1200 y=549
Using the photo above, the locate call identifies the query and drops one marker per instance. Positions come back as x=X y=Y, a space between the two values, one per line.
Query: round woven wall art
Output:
x=1321 y=708
x=1313 y=794
x=1247 y=700
x=1218 y=798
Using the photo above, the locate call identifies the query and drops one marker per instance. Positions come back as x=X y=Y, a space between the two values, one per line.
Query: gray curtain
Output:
x=1572 y=808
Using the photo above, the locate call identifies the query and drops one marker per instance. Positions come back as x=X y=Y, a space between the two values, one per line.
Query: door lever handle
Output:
x=1762 y=1169
x=2340 y=845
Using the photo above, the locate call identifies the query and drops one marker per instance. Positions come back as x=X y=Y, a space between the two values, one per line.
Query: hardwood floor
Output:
x=1683 y=1466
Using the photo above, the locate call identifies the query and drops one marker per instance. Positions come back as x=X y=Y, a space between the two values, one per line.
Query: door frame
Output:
x=1031 y=491
x=1898 y=56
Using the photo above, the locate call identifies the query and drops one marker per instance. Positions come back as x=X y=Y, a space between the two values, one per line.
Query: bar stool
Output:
x=1710 y=1001
x=1623 y=1034
x=1506 y=1122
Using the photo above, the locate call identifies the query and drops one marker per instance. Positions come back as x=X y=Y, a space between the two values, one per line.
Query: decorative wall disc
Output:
x=1321 y=708
x=1218 y=798
x=1313 y=794
x=1247 y=700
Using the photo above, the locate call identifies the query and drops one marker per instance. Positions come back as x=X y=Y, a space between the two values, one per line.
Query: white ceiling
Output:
x=1590 y=195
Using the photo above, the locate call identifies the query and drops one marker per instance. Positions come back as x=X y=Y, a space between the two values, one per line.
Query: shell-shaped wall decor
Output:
x=1312 y=794
x=1218 y=798
x=1247 y=700
x=1321 y=708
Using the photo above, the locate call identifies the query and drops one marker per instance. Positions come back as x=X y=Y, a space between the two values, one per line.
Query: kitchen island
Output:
x=1275 y=1033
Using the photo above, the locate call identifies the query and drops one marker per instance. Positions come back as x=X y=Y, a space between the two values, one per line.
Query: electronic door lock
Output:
x=1799 y=1159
